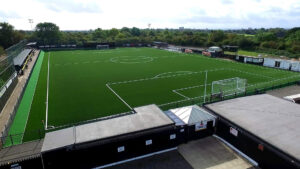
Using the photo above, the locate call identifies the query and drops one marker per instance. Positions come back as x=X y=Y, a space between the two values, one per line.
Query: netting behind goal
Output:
x=102 y=47
x=228 y=87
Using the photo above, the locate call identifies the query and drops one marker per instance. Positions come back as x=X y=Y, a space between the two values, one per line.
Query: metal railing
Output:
x=13 y=139
x=250 y=90
x=5 y=132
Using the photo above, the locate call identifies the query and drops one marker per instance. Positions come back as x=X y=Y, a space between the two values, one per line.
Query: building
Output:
x=161 y=44
x=196 y=122
x=264 y=127
x=250 y=59
x=213 y=51
x=95 y=144
x=282 y=64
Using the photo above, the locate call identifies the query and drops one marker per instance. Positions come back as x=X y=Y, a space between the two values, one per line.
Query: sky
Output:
x=195 y=14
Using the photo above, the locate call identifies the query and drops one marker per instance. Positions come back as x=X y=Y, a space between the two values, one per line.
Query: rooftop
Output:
x=19 y=60
x=272 y=119
x=146 y=117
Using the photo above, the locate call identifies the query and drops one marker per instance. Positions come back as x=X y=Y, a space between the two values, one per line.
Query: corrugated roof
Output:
x=20 y=59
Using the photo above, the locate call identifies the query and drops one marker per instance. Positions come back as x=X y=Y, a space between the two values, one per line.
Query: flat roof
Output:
x=19 y=60
x=272 y=119
x=146 y=117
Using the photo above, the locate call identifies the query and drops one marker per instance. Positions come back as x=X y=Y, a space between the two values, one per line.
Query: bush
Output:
x=2 y=51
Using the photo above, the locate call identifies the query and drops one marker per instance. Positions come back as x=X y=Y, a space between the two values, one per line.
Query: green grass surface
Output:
x=22 y=113
x=79 y=81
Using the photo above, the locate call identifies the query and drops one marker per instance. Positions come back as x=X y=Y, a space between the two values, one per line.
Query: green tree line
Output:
x=274 y=41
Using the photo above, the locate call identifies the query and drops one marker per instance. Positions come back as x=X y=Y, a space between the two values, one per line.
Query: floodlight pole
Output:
x=30 y=22
x=205 y=86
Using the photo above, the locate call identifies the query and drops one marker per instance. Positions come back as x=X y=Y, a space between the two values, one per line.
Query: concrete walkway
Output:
x=210 y=153
x=21 y=152
x=206 y=153
x=13 y=99
x=286 y=91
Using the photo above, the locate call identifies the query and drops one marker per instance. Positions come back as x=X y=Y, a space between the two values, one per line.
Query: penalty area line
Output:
x=180 y=94
x=107 y=85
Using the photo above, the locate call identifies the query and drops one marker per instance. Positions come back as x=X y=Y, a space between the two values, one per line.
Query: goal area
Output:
x=228 y=87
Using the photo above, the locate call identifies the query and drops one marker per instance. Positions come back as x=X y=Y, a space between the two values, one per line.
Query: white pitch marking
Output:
x=180 y=94
x=48 y=75
x=107 y=85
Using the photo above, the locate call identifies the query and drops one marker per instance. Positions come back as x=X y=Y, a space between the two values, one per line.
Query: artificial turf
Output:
x=79 y=81
x=20 y=120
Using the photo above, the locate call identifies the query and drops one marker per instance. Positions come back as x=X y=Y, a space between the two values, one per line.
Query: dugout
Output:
x=21 y=58
x=263 y=127
x=195 y=121
x=95 y=144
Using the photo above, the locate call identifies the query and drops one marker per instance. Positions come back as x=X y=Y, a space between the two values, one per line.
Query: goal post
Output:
x=227 y=87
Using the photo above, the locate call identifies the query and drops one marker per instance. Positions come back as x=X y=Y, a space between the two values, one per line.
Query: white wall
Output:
x=284 y=64
x=296 y=66
x=269 y=62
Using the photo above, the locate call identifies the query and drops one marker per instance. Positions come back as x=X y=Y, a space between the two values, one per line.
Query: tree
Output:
x=113 y=33
x=47 y=33
x=135 y=31
x=266 y=36
x=6 y=35
x=98 y=34
x=1 y=51
x=216 y=36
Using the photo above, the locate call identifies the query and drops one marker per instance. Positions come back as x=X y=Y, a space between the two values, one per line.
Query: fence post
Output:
x=40 y=134
x=12 y=142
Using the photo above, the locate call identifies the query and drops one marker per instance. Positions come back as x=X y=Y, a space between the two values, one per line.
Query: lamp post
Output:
x=30 y=22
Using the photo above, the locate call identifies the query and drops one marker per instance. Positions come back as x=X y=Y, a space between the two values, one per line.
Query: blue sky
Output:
x=201 y=14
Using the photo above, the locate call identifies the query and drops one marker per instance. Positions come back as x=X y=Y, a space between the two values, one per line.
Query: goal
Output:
x=102 y=47
x=228 y=87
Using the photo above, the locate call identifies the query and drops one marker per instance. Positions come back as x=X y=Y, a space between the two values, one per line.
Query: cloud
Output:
x=72 y=6
x=226 y=2
x=214 y=14
x=10 y=14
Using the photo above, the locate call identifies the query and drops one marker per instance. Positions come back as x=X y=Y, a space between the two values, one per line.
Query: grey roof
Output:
x=272 y=119
x=20 y=152
x=189 y=115
x=146 y=117
x=20 y=59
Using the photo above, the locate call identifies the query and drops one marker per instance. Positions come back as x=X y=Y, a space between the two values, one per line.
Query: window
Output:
x=277 y=64
x=121 y=149
x=148 y=142
x=172 y=136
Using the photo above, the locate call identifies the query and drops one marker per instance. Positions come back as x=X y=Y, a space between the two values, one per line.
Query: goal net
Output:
x=228 y=87
x=102 y=47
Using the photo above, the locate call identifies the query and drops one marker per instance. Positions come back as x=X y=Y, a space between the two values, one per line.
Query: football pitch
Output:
x=80 y=85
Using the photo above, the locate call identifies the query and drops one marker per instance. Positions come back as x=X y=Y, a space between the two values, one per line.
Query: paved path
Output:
x=210 y=153
x=286 y=91
x=206 y=153
x=21 y=152
x=12 y=101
